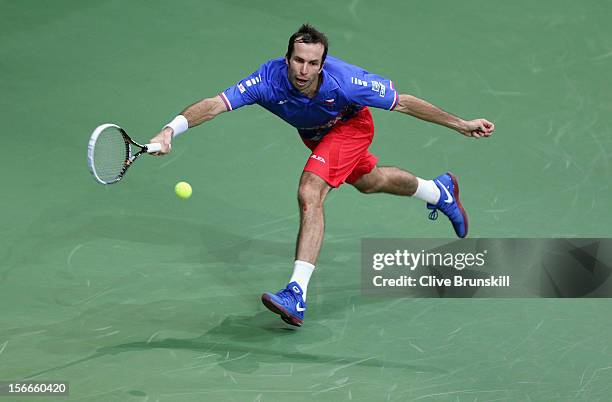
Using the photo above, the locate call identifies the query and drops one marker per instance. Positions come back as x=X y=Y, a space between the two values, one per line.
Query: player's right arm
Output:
x=204 y=110
x=246 y=92
x=194 y=115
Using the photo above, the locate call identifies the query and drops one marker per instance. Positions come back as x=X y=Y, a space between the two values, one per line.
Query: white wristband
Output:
x=178 y=125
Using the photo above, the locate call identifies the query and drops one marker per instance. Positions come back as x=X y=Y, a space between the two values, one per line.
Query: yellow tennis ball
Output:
x=183 y=189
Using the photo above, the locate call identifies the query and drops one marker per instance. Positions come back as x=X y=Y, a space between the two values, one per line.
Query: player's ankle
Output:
x=427 y=191
x=302 y=271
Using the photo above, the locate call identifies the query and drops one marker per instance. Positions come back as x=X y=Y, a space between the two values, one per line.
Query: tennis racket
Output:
x=111 y=152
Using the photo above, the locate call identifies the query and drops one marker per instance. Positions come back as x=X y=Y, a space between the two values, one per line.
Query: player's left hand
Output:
x=477 y=128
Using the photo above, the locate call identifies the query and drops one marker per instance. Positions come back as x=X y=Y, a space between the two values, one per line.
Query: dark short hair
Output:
x=307 y=34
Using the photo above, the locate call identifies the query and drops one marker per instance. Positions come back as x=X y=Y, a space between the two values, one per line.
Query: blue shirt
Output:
x=344 y=90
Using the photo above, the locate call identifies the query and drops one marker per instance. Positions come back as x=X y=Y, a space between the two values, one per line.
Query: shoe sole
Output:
x=280 y=310
x=456 y=195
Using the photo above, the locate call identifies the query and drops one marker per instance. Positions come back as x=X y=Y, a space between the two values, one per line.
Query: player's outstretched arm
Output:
x=423 y=110
x=194 y=115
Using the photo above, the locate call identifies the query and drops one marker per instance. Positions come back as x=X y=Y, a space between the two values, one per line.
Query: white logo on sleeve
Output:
x=379 y=87
x=449 y=197
x=357 y=81
x=241 y=88
x=253 y=81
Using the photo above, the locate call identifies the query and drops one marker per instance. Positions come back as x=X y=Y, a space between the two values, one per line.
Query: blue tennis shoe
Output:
x=449 y=204
x=288 y=303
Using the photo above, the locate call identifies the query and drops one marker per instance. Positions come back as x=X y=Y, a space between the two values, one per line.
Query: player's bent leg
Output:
x=441 y=194
x=387 y=179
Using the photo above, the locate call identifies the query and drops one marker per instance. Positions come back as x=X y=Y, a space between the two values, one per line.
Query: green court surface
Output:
x=131 y=294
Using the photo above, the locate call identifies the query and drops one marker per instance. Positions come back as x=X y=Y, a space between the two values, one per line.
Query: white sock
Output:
x=427 y=191
x=302 y=271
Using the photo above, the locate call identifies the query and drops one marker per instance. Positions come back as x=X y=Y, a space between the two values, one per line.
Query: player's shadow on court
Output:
x=242 y=343
x=57 y=229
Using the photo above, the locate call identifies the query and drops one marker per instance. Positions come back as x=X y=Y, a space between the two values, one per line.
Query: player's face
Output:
x=305 y=65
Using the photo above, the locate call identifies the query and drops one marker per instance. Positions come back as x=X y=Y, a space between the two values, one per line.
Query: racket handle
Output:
x=153 y=147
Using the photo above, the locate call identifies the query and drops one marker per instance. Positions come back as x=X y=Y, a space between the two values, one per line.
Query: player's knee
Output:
x=309 y=196
x=312 y=191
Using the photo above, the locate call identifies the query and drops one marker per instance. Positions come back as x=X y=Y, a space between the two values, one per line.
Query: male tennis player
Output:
x=327 y=100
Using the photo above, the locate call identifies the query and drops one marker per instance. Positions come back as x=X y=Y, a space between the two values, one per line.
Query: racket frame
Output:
x=131 y=157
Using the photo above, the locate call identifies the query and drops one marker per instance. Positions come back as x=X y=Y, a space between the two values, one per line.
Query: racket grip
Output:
x=153 y=147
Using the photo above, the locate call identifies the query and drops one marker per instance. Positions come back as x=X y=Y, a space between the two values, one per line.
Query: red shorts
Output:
x=342 y=154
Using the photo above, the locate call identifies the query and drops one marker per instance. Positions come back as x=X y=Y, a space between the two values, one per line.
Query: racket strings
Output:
x=111 y=154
